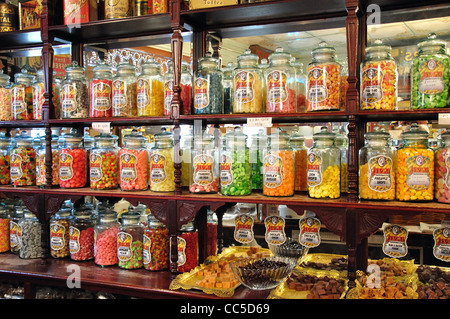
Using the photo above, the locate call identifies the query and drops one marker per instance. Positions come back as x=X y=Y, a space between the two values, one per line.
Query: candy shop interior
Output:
x=236 y=149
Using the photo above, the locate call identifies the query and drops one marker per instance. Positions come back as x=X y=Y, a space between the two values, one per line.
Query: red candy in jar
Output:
x=72 y=162
x=187 y=243
x=100 y=91
x=81 y=232
x=105 y=249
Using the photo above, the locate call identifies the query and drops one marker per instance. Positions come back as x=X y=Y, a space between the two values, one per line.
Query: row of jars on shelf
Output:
x=132 y=241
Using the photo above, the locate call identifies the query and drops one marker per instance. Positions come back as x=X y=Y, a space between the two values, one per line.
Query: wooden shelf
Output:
x=22 y=124
x=20 y=39
x=115 y=121
x=402 y=115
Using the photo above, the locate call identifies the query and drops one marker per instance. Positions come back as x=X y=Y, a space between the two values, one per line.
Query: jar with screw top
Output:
x=300 y=84
x=187 y=244
x=442 y=167
x=22 y=96
x=105 y=234
x=72 y=162
x=23 y=161
x=129 y=241
x=228 y=88
x=161 y=163
x=100 y=91
x=4 y=228
x=376 y=167
x=116 y=9
x=6 y=144
x=323 y=79
x=41 y=172
x=257 y=146
x=247 y=84
x=81 y=232
x=5 y=97
x=324 y=162
x=186 y=159
x=30 y=236
x=124 y=91
x=415 y=167
x=59 y=233
x=430 y=75
x=156 y=245
x=280 y=83
x=104 y=162
x=133 y=162
x=297 y=142
x=74 y=93
x=378 y=78
x=15 y=230
x=205 y=165
x=208 y=86
x=150 y=90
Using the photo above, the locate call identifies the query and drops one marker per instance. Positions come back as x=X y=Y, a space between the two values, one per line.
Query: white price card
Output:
x=102 y=127
x=259 y=121
x=444 y=119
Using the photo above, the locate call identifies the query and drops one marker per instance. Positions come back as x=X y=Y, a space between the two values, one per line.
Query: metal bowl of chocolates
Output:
x=291 y=249
x=262 y=273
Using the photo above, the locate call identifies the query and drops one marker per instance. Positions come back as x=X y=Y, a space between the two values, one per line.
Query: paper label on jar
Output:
x=273 y=171
x=201 y=93
x=146 y=253
x=314 y=169
x=226 y=174
x=14 y=235
x=124 y=241
x=447 y=169
x=18 y=102
x=243 y=229
x=181 y=245
x=317 y=84
x=95 y=167
x=372 y=85
x=431 y=77
x=101 y=96
x=127 y=164
x=16 y=167
x=57 y=240
x=418 y=172
x=380 y=173
x=142 y=98
x=65 y=166
x=68 y=98
x=157 y=168
x=275 y=234
x=168 y=95
x=441 y=249
x=243 y=86
x=203 y=169
x=119 y=94
x=276 y=87
x=74 y=240
x=394 y=244
x=309 y=232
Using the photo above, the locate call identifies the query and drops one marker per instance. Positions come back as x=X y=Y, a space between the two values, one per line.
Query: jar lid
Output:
x=236 y=136
x=23 y=76
x=203 y=139
x=259 y=139
x=378 y=49
x=341 y=140
x=297 y=64
x=4 y=78
x=72 y=138
x=54 y=141
x=126 y=67
x=74 y=68
x=264 y=64
x=23 y=139
x=83 y=211
x=228 y=70
x=323 y=48
x=280 y=56
x=131 y=215
x=151 y=67
x=415 y=133
x=377 y=134
x=5 y=140
x=247 y=56
x=28 y=215
x=153 y=221
x=324 y=134
x=65 y=212
x=431 y=41
x=105 y=139
x=297 y=139
x=208 y=60
x=135 y=137
x=189 y=226
x=163 y=139
x=278 y=137
x=102 y=67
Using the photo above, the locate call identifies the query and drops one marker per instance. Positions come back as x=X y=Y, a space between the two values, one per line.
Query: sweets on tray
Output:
x=217 y=275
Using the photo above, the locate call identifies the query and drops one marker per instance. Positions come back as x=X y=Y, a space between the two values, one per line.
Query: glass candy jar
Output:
x=161 y=166
x=4 y=229
x=23 y=161
x=41 y=171
x=133 y=163
x=104 y=163
x=59 y=233
x=150 y=90
x=14 y=229
x=228 y=88
x=30 y=236
x=6 y=143
x=22 y=96
x=208 y=86
x=74 y=93
x=105 y=234
x=187 y=244
x=300 y=85
x=38 y=95
x=72 y=162
x=130 y=242
x=100 y=92
x=81 y=232
x=205 y=166
x=297 y=142
x=257 y=146
x=186 y=159
x=442 y=170
x=5 y=97
x=341 y=142
x=185 y=85
x=124 y=91
x=156 y=245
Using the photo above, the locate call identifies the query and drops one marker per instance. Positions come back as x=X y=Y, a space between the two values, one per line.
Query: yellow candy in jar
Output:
x=162 y=177
x=150 y=90
x=330 y=187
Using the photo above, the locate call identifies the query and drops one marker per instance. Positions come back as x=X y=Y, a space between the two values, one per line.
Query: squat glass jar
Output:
x=72 y=162
x=22 y=96
x=156 y=245
x=161 y=164
x=100 y=92
x=59 y=233
x=5 y=97
x=129 y=242
x=150 y=90
x=124 y=92
x=205 y=166
x=30 y=236
x=105 y=234
x=74 y=93
x=81 y=232
x=208 y=86
x=442 y=167
x=133 y=163
x=23 y=161
x=6 y=143
x=104 y=163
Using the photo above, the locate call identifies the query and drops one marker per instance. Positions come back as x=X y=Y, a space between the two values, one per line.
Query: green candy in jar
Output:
x=258 y=144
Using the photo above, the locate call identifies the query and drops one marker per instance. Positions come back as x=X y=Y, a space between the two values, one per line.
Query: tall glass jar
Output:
x=15 y=230
x=116 y=9
x=74 y=93
x=130 y=242
x=208 y=86
x=22 y=96
x=5 y=97
x=323 y=80
x=105 y=234
x=324 y=162
x=56 y=98
x=211 y=234
x=378 y=78
x=297 y=142
x=30 y=236
x=133 y=163
x=186 y=159
x=430 y=75
x=100 y=91
x=72 y=162
x=205 y=166
x=247 y=84
x=257 y=146
x=4 y=229
x=38 y=95
x=415 y=167
x=280 y=83
x=104 y=163
x=81 y=232
x=41 y=172
x=187 y=243
x=150 y=90
x=341 y=142
x=228 y=88
x=186 y=88
x=59 y=233
x=23 y=161
x=124 y=91
x=156 y=245
x=6 y=144
x=442 y=167
x=161 y=164
x=278 y=166
x=376 y=167
x=235 y=167
x=300 y=85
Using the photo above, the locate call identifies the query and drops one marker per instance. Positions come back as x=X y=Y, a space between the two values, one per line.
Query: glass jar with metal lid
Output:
x=430 y=75
x=74 y=93
x=186 y=159
x=235 y=167
x=23 y=161
x=72 y=162
x=415 y=167
x=297 y=142
x=278 y=166
x=187 y=244
x=257 y=146
x=300 y=84
x=81 y=232
x=156 y=245
x=38 y=95
x=150 y=90
x=41 y=172
x=22 y=96
x=205 y=165
x=324 y=162
x=5 y=97
x=59 y=233
x=280 y=83
x=227 y=88
x=100 y=91
x=130 y=241
x=105 y=234
x=124 y=91
x=442 y=168
x=4 y=228
x=208 y=86
x=247 y=84
x=162 y=177
x=30 y=236
x=376 y=167
x=116 y=9
x=323 y=79
x=6 y=144
x=378 y=78
x=104 y=162
x=133 y=162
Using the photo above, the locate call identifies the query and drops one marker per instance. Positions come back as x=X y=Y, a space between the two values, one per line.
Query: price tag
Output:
x=444 y=119
x=102 y=127
x=259 y=122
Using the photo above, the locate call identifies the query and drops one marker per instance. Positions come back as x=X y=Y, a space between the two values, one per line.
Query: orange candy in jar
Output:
x=72 y=162
x=40 y=163
x=5 y=97
x=297 y=142
x=133 y=163
x=4 y=229
x=22 y=96
x=150 y=90
x=323 y=80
